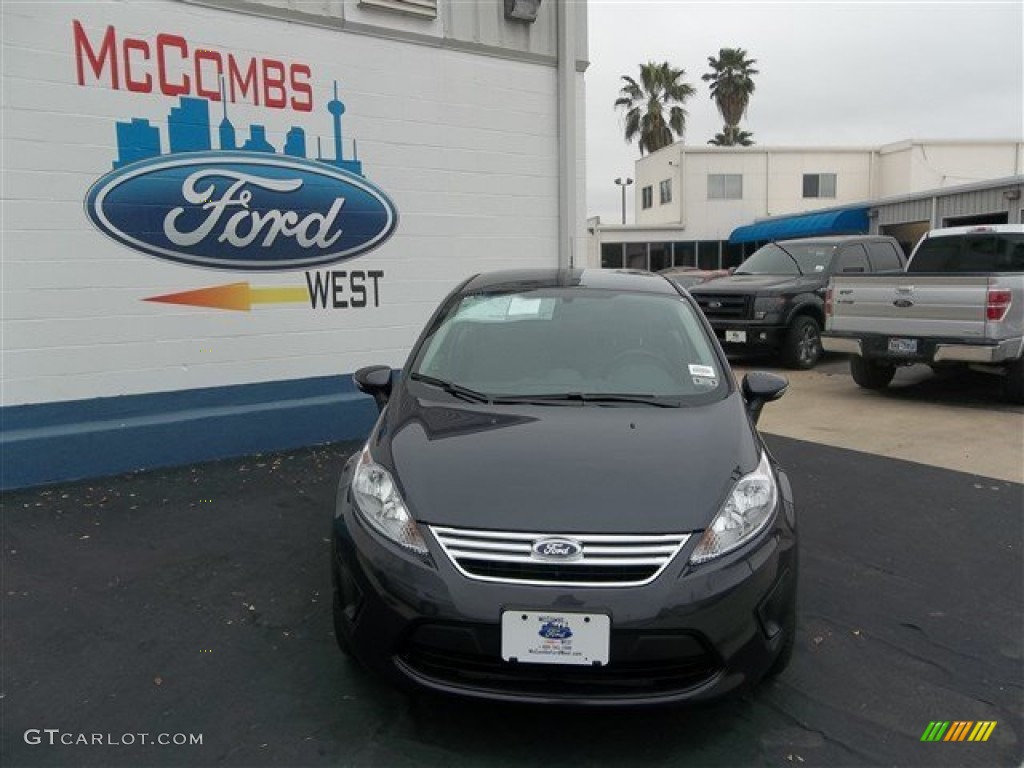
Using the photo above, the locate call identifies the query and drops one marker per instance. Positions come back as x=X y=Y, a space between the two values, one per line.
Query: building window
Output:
x=725 y=186
x=819 y=185
x=426 y=8
x=647 y=197
x=659 y=256
x=636 y=255
x=612 y=255
x=708 y=254
x=684 y=254
x=665 y=191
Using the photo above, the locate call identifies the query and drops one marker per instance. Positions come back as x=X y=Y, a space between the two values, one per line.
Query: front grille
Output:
x=605 y=560
x=620 y=677
x=723 y=306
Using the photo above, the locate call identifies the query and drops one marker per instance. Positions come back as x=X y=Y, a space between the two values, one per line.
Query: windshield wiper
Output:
x=791 y=257
x=457 y=390
x=586 y=397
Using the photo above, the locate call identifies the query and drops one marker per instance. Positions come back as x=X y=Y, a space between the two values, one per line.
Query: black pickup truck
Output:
x=775 y=300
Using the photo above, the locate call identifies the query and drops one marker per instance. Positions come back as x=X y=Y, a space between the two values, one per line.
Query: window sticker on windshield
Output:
x=520 y=306
x=701 y=381
x=705 y=371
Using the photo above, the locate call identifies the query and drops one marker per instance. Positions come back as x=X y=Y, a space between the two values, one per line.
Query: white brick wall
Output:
x=465 y=145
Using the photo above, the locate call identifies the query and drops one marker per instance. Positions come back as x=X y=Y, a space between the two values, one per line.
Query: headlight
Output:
x=381 y=505
x=768 y=305
x=745 y=514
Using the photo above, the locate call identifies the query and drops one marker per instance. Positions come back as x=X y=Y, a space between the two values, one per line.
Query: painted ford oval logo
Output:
x=557 y=549
x=241 y=211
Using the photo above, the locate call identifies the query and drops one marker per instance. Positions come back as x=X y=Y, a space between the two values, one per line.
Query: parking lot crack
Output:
x=863 y=757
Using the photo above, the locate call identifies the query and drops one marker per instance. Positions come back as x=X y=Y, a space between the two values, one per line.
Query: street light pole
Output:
x=623 y=183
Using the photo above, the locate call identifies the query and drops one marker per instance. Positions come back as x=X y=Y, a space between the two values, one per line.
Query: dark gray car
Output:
x=565 y=499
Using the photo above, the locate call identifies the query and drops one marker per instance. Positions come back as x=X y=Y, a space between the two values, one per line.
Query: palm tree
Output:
x=731 y=79
x=731 y=136
x=654 y=111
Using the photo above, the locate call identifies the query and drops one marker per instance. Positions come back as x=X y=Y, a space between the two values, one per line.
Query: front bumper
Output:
x=693 y=633
x=754 y=336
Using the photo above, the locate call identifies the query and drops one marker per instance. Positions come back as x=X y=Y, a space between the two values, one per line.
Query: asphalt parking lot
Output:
x=196 y=601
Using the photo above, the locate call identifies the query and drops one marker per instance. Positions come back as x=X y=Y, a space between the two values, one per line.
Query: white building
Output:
x=214 y=211
x=690 y=201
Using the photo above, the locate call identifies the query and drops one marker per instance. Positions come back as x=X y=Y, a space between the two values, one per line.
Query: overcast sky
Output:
x=856 y=74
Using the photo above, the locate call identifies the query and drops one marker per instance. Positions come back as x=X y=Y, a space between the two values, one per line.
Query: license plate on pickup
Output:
x=549 y=637
x=903 y=346
x=736 y=337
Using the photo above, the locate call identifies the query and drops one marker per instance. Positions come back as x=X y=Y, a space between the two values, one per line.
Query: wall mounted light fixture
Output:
x=522 y=10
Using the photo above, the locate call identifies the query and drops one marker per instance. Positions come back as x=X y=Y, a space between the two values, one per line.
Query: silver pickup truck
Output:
x=959 y=302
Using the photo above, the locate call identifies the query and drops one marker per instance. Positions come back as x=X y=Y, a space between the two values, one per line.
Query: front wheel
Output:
x=802 y=348
x=871 y=375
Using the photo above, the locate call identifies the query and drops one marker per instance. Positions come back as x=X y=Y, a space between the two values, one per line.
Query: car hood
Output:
x=567 y=468
x=755 y=283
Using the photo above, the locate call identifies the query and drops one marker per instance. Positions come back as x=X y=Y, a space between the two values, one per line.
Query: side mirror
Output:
x=760 y=387
x=374 y=380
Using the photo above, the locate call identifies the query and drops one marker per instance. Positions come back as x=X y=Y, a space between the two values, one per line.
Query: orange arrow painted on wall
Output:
x=236 y=296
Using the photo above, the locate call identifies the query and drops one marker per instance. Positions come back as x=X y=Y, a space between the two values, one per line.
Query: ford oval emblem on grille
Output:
x=715 y=304
x=557 y=549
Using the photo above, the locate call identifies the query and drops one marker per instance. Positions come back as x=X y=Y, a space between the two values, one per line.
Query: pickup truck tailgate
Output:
x=931 y=305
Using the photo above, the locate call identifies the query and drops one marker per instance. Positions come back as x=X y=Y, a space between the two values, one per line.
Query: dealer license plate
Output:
x=737 y=337
x=547 y=637
x=903 y=346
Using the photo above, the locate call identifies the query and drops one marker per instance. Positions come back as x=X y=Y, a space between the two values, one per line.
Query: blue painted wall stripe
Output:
x=58 y=442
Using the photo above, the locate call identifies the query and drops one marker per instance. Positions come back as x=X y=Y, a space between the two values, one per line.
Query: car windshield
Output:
x=572 y=345
x=788 y=259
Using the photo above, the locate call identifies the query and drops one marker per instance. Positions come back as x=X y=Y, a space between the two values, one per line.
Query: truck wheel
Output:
x=1013 y=382
x=871 y=375
x=802 y=348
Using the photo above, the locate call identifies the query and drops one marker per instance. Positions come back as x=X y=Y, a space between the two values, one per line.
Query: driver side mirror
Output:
x=374 y=380
x=760 y=387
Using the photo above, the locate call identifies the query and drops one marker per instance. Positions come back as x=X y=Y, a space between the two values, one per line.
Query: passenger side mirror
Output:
x=760 y=387
x=375 y=380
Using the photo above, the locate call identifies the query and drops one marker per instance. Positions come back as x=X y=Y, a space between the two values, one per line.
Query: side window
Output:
x=646 y=197
x=853 y=258
x=884 y=257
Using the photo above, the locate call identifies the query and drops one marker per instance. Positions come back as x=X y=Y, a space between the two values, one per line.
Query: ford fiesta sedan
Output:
x=565 y=500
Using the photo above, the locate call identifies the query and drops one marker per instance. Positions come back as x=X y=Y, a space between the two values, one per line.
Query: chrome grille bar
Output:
x=621 y=559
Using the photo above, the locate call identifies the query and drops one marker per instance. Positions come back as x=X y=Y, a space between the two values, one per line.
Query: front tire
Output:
x=871 y=375
x=1013 y=382
x=802 y=348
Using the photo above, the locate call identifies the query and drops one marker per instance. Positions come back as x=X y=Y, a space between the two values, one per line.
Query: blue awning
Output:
x=852 y=221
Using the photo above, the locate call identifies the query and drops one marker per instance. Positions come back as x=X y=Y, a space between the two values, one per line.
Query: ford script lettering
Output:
x=241 y=211
x=557 y=549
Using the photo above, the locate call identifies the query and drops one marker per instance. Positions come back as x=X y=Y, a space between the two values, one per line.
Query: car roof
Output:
x=835 y=239
x=977 y=229
x=628 y=280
